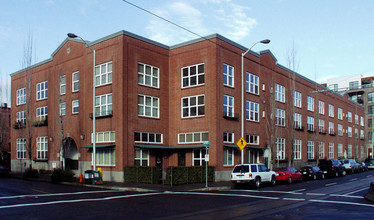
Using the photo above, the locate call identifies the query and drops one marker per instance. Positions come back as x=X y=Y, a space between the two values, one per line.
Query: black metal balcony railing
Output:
x=41 y=121
x=311 y=128
x=332 y=133
x=230 y=115
x=102 y=114
x=19 y=125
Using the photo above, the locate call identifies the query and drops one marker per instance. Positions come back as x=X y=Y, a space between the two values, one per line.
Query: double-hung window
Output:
x=193 y=75
x=297 y=99
x=280 y=148
x=228 y=106
x=75 y=107
x=331 y=110
x=340 y=114
x=75 y=78
x=103 y=74
x=251 y=83
x=228 y=75
x=310 y=150
x=62 y=85
x=356 y=119
x=321 y=107
x=280 y=93
x=280 y=116
x=228 y=137
x=253 y=139
x=349 y=131
x=340 y=150
x=297 y=149
x=331 y=150
x=331 y=128
x=310 y=123
x=198 y=157
x=141 y=157
x=310 y=103
x=148 y=75
x=321 y=150
x=62 y=108
x=297 y=120
x=340 y=130
x=42 y=148
x=21 y=96
x=42 y=113
x=21 y=117
x=103 y=105
x=362 y=123
x=42 y=90
x=350 y=116
x=321 y=126
x=228 y=156
x=21 y=148
x=251 y=110
x=193 y=106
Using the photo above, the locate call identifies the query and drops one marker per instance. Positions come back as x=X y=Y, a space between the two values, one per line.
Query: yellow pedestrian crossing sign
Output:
x=241 y=143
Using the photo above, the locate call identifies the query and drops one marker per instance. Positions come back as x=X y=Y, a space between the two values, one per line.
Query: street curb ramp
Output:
x=370 y=195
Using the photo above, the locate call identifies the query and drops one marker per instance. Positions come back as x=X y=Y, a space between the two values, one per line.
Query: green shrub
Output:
x=31 y=173
x=142 y=174
x=59 y=175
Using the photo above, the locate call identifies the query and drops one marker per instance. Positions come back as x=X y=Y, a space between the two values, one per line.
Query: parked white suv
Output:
x=254 y=173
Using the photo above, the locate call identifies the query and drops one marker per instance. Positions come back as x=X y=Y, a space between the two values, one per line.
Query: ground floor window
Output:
x=106 y=157
x=310 y=150
x=349 y=151
x=253 y=156
x=42 y=148
x=141 y=157
x=228 y=155
x=21 y=148
x=280 y=148
x=321 y=152
x=297 y=149
x=198 y=157
x=331 y=150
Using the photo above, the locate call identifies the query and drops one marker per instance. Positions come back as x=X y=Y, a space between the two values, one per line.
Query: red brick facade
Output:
x=125 y=51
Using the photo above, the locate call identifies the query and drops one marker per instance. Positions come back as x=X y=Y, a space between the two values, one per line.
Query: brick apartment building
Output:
x=156 y=105
x=4 y=134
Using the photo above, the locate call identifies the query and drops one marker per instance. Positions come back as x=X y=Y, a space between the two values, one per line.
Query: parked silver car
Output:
x=350 y=165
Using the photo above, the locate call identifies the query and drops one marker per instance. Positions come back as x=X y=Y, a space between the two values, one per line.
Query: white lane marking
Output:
x=369 y=176
x=315 y=194
x=365 y=188
x=223 y=194
x=56 y=194
x=77 y=200
x=269 y=191
x=341 y=202
x=330 y=184
x=294 y=199
x=348 y=196
x=299 y=190
x=353 y=179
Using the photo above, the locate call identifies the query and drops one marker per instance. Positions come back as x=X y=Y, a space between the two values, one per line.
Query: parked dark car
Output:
x=370 y=163
x=362 y=167
x=4 y=171
x=312 y=172
x=332 y=167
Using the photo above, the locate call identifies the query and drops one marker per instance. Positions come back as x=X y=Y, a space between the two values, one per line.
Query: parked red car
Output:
x=289 y=174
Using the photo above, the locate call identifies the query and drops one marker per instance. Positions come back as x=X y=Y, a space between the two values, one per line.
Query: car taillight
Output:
x=310 y=172
x=250 y=175
x=332 y=168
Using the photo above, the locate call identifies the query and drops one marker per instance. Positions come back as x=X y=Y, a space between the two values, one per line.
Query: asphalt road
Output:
x=335 y=198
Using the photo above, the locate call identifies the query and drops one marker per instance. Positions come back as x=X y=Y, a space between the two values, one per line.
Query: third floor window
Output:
x=42 y=90
x=148 y=75
x=193 y=75
x=228 y=75
x=251 y=83
x=103 y=74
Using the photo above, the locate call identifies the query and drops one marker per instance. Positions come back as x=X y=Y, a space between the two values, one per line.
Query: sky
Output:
x=330 y=38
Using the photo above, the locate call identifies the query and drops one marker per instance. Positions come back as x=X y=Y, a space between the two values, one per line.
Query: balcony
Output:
x=102 y=114
x=231 y=116
x=40 y=121
x=19 y=125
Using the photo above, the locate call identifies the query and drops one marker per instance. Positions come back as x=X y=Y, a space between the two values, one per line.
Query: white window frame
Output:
x=280 y=93
x=321 y=107
x=200 y=76
x=154 y=106
x=349 y=131
x=252 y=110
x=297 y=99
x=252 y=82
x=310 y=103
x=362 y=122
x=340 y=150
x=103 y=154
x=321 y=150
x=149 y=72
x=331 y=110
x=349 y=116
x=198 y=156
x=21 y=148
x=331 y=127
x=253 y=139
x=228 y=137
x=362 y=134
x=42 y=113
x=228 y=105
x=62 y=108
x=340 y=114
x=146 y=137
x=321 y=125
x=310 y=150
x=21 y=96
x=280 y=148
x=356 y=119
x=187 y=108
x=199 y=136
x=280 y=117
x=228 y=156
x=63 y=85
x=75 y=82
x=21 y=116
x=349 y=151
x=75 y=106
x=297 y=120
x=297 y=149
x=310 y=123
x=104 y=137
x=331 y=150
x=103 y=76
x=340 y=130
x=42 y=90
x=143 y=157
x=228 y=75
x=42 y=148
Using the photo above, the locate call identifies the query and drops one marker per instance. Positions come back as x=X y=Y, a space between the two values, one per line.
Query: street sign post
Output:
x=206 y=145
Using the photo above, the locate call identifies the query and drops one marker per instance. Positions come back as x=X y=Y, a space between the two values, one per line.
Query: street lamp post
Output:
x=71 y=35
x=266 y=41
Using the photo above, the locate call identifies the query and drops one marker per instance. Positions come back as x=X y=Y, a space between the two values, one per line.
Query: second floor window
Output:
x=251 y=110
x=321 y=107
x=148 y=75
x=62 y=85
x=253 y=139
x=21 y=96
x=62 y=109
x=193 y=106
x=103 y=74
x=321 y=125
x=42 y=90
x=228 y=106
x=297 y=120
x=75 y=106
x=193 y=75
x=340 y=130
x=331 y=127
x=228 y=137
x=310 y=123
x=103 y=105
x=280 y=93
x=148 y=106
x=350 y=116
x=228 y=75
x=21 y=116
x=42 y=113
x=280 y=116
x=340 y=114
x=331 y=110
x=251 y=83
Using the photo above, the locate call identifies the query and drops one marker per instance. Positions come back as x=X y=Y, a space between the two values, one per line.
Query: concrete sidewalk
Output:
x=138 y=187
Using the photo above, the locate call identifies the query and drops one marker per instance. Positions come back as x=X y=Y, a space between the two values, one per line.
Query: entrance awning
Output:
x=100 y=146
x=168 y=147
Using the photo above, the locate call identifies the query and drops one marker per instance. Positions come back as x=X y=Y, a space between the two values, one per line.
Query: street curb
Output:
x=133 y=189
